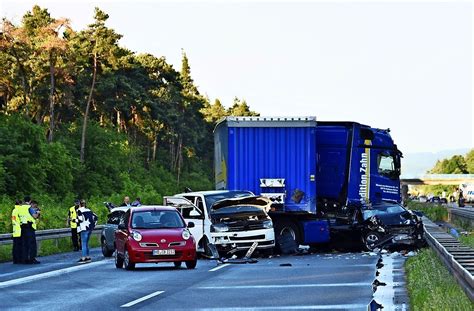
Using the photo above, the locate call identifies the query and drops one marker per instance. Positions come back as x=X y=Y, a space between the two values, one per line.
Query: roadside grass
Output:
x=431 y=286
x=435 y=212
x=467 y=240
x=49 y=247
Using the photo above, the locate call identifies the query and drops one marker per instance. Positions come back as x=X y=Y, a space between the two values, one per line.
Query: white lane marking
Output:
x=315 y=307
x=285 y=286
x=31 y=278
x=219 y=267
x=131 y=303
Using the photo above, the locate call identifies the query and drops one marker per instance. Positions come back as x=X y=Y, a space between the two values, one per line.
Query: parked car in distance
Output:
x=382 y=224
x=107 y=236
x=422 y=199
x=232 y=220
x=154 y=234
x=435 y=199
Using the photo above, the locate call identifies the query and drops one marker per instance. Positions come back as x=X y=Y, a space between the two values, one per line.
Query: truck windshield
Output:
x=156 y=220
x=387 y=165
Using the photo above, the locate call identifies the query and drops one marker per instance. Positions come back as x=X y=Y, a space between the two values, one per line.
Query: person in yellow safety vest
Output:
x=16 y=234
x=28 y=213
x=72 y=222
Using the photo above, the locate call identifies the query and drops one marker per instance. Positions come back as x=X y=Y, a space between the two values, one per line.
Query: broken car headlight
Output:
x=186 y=235
x=219 y=228
x=136 y=236
x=268 y=224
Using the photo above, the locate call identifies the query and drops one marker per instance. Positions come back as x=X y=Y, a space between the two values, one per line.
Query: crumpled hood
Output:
x=396 y=219
x=257 y=201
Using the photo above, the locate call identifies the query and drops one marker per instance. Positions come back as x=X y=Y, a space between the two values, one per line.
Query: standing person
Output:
x=126 y=201
x=461 y=198
x=86 y=223
x=28 y=213
x=72 y=222
x=16 y=234
x=137 y=202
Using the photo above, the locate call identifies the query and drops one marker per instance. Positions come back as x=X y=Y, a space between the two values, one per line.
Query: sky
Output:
x=401 y=65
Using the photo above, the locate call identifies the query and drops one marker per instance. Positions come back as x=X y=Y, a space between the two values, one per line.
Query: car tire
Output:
x=370 y=239
x=191 y=264
x=105 y=250
x=177 y=264
x=128 y=264
x=207 y=249
x=118 y=260
x=287 y=236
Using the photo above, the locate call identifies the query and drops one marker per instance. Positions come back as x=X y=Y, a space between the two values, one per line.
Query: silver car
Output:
x=107 y=239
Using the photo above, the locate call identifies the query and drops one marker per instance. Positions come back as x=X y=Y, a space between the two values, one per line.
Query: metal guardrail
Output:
x=465 y=212
x=457 y=257
x=50 y=234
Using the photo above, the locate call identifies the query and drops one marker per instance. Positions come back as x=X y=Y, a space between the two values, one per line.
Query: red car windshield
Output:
x=156 y=220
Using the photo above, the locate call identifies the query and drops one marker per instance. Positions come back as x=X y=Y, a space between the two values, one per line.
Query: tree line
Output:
x=80 y=114
x=457 y=164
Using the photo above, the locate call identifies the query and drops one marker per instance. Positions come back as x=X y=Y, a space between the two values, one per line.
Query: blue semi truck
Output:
x=309 y=169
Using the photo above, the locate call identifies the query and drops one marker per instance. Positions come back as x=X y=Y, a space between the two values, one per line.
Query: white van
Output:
x=231 y=220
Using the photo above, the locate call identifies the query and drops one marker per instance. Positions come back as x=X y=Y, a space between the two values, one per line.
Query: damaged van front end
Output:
x=239 y=222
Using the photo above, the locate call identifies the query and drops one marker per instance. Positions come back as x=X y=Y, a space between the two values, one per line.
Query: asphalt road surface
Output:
x=318 y=281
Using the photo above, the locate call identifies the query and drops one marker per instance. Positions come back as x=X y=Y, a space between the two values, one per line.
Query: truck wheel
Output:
x=287 y=236
x=370 y=239
x=118 y=261
x=105 y=250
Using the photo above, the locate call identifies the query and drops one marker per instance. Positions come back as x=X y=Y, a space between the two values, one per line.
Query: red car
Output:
x=153 y=234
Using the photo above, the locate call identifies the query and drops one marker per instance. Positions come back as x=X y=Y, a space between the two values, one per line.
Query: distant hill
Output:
x=420 y=162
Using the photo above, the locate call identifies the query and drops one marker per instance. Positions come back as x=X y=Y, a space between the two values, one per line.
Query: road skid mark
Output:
x=132 y=303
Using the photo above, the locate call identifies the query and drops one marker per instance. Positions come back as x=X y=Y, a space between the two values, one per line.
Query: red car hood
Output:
x=156 y=235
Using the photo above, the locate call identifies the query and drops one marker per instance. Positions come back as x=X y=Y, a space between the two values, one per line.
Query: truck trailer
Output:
x=311 y=170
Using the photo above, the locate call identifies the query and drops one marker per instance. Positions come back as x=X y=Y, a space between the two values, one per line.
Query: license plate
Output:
x=158 y=252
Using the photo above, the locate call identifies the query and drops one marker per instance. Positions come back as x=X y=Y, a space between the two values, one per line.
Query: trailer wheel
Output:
x=287 y=236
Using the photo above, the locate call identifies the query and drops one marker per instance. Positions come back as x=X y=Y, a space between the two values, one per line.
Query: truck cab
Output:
x=231 y=220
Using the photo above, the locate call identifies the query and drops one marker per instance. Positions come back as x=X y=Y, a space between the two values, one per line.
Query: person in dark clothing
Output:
x=126 y=201
x=29 y=212
x=72 y=222
x=137 y=202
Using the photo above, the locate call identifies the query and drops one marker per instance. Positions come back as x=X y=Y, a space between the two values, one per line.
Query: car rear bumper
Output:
x=244 y=239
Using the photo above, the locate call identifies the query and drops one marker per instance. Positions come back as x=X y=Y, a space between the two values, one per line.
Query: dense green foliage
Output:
x=431 y=286
x=457 y=164
x=82 y=116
